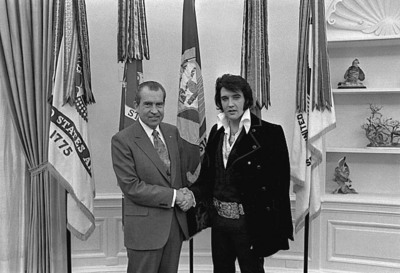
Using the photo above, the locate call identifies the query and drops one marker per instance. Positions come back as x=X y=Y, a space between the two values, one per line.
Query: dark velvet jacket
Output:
x=259 y=167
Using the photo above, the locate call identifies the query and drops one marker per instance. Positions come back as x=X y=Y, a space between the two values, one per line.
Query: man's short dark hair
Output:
x=152 y=85
x=233 y=83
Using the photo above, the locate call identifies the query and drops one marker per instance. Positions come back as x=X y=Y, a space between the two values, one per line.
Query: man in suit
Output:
x=245 y=174
x=146 y=161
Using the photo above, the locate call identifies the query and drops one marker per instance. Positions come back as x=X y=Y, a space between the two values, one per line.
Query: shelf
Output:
x=372 y=91
x=367 y=150
x=363 y=198
x=364 y=42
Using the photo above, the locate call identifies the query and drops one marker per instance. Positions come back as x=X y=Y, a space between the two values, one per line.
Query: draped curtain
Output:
x=26 y=38
x=13 y=195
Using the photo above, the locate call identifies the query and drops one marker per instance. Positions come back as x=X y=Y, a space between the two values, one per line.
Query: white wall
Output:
x=220 y=29
x=337 y=237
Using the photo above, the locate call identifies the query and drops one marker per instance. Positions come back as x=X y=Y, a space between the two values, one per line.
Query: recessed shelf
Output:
x=364 y=42
x=363 y=198
x=367 y=150
x=372 y=91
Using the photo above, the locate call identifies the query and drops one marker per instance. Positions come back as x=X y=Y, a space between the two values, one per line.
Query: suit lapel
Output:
x=144 y=143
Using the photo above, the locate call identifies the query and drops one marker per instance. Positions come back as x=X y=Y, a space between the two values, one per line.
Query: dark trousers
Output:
x=230 y=240
x=164 y=260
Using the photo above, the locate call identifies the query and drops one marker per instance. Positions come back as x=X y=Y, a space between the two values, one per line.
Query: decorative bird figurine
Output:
x=342 y=173
x=353 y=76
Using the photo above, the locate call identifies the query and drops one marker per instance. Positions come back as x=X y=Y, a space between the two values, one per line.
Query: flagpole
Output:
x=191 y=255
x=306 y=232
x=69 y=260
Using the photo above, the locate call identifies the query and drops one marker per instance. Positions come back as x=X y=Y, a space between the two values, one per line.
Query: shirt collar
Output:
x=148 y=130
x=245 y=121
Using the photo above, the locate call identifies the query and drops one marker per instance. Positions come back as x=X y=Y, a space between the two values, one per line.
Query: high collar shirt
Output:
x=222 y=121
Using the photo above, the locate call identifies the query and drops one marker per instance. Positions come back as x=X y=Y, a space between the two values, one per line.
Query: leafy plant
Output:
x=380 y=131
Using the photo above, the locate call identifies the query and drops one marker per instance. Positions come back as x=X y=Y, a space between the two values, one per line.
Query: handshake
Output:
x=185 y=199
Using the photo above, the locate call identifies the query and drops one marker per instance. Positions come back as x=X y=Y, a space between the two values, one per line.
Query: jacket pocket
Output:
x=136 y=210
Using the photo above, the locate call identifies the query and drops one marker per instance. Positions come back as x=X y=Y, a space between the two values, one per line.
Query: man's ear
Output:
x=135 y=105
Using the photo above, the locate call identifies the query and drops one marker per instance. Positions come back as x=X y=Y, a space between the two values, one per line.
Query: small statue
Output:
x=342 y=173
x=353 y=76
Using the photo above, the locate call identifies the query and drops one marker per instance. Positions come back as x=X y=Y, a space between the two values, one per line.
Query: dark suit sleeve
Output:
x=145 y=193
x=282 y=160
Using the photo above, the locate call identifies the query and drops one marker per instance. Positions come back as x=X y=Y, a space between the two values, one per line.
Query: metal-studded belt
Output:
x=230 y=210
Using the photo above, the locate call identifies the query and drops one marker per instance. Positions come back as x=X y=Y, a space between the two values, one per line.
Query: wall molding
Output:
x=105 y=252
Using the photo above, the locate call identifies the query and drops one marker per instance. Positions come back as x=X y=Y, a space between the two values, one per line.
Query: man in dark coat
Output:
x=245 y=175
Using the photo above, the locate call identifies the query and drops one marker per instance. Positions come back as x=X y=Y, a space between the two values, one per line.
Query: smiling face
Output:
x=232 y=104
x=151 y=107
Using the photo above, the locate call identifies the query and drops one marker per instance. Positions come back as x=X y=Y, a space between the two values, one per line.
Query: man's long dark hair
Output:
x=233 y=83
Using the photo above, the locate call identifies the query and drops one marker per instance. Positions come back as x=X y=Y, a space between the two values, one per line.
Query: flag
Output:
x=191 y=120
x=134 y=72
x=315 y=113
x=69 y=153
x=254 y=53
x=69 y=146
x=133 y=46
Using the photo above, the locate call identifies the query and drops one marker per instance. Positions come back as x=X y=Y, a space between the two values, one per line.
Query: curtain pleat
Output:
x=13 y=195
x=26 y=29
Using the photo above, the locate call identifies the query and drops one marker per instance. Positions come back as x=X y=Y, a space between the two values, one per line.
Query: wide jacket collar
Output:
x=245 y=145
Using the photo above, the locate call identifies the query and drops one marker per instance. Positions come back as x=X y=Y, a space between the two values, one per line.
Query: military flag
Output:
x=69 y=145
x=254 y=56
x=133 y=47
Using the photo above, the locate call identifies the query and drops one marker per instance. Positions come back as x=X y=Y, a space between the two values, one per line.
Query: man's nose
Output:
x=154 y=109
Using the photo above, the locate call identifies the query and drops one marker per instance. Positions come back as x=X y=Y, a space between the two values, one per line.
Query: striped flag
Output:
x=191 y=120
x=315 y=113
x=254 y=54
x=133 y=47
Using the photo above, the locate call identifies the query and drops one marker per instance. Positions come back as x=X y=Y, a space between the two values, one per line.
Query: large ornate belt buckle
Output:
x=229 y=210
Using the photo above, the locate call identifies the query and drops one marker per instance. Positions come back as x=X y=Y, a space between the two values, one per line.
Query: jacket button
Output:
x=267 y=208
x=254 y=147
x=248 y=162
x=258 y=167
x=264 y=188
x=253 y=130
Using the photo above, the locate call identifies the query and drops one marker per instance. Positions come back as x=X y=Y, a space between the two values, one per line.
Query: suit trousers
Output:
x=230 y=240
x=164 y=260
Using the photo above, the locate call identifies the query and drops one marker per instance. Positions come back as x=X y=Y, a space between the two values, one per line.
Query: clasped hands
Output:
x=184 y=199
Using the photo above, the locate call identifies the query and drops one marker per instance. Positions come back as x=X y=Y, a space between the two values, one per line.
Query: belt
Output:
x=231 y=210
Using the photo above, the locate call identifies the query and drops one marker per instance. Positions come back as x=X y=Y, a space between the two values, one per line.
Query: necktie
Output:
x=161 y=150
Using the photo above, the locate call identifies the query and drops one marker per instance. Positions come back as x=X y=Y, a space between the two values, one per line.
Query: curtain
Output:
x=13 y=186
x=26 y=38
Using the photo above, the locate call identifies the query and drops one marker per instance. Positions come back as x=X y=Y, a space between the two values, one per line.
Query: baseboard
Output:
x=186 y=269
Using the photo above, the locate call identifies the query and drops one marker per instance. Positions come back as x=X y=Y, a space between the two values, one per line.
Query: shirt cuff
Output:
x=173 y=199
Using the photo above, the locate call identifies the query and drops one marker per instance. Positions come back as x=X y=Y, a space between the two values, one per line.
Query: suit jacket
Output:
x=259 y=167
x=147 y=188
